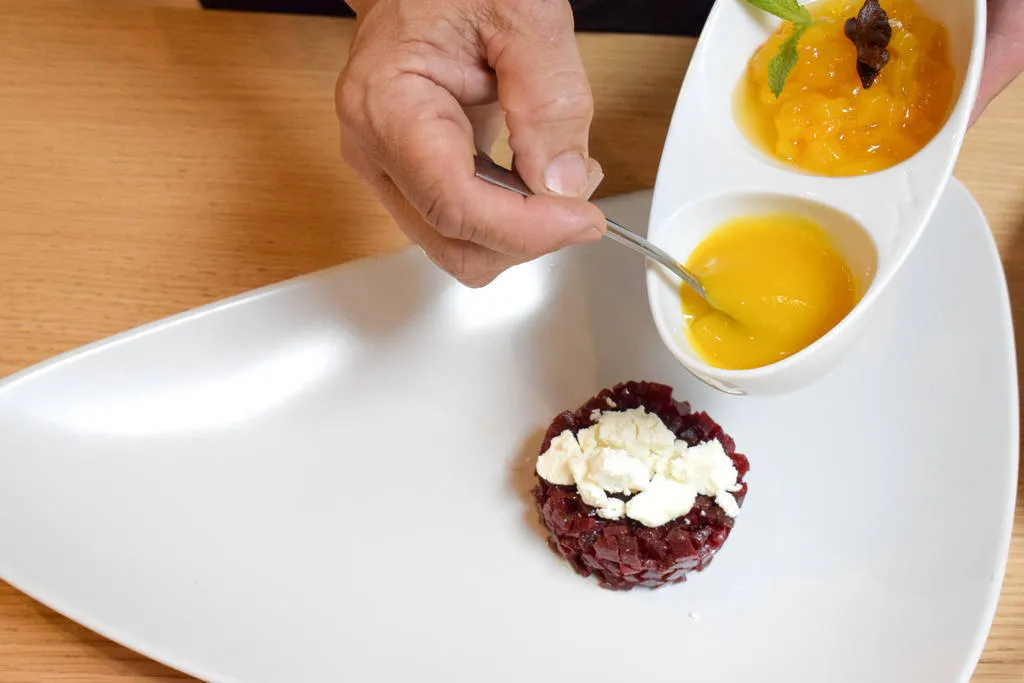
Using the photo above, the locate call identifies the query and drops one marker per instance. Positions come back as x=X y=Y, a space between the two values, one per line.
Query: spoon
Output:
x=502 y=177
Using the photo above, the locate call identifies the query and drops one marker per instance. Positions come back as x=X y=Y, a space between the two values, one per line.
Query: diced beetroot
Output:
x=740 y=462
x=741 y=495
x=623 y=554
x=629 y=552
x=581 y=525
x=579 y=563
x=607 y=549
x=652 y=544
x=680 y=542
x=717 y=518
x=630 y=574
x=678 y=575
x=729 y=446
x=708 y=427
x=616 y=529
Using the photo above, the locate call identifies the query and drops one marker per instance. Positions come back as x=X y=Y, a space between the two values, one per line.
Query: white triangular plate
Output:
x=326 y=480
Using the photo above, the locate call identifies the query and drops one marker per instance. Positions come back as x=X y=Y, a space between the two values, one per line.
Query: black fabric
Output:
x=334 y=8
x=665 y=17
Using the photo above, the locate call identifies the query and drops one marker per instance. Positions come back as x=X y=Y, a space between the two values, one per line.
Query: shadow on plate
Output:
x=523 y=479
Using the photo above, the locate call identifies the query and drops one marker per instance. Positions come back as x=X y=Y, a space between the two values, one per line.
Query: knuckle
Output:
x=496 y=17
x=465 y=265
x=449 y=222
x=453 y=260
x=564 y=99
x=514 y=243
x=548 y=22
x=349 y=151
x=479 y=282
x=551 y=19
x=554 y=18
x=352 y=132
x=566 y=103
x=349 y=99
x=475 y=274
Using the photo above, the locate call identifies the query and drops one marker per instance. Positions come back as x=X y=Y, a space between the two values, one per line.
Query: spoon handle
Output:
x=502 y=177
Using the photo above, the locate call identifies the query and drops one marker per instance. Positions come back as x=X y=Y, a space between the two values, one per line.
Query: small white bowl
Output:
x=710 y=172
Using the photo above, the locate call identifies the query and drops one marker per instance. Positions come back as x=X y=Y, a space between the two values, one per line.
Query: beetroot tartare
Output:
x=607 y=541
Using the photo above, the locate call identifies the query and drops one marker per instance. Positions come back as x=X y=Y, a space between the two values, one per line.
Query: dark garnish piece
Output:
x=870 y=32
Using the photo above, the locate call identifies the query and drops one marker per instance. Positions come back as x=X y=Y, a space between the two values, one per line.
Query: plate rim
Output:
x=995 y=588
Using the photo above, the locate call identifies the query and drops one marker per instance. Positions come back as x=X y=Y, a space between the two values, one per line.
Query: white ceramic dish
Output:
x=326 y=481
x=710 y=172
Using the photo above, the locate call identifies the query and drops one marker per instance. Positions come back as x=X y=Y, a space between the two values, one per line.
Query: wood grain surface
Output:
x=155 y=158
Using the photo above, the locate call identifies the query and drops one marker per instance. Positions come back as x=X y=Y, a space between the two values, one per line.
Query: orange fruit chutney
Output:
x=778 y=285
x=825 y=122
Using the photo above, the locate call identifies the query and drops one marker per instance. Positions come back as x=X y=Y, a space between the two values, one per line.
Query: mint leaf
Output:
x=783 y=61
x=787 y=10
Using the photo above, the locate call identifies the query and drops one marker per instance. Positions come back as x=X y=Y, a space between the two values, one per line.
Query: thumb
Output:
x=545 y=94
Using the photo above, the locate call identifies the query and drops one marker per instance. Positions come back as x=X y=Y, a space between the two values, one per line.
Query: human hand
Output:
x=418 y=97
x=1004 y=51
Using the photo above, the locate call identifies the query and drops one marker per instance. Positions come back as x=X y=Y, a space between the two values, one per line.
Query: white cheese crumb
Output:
x=592 y=494
x=611 y=403
x=617 y=472
x=661 y=502
x=612 y=509
x=553 y=464
x=632 y=452
x=595 y=415
x=711 y=470
x=728 y=504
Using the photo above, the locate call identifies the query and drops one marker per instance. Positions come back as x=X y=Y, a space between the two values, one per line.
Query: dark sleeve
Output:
x=334 y=8
x=666 y=17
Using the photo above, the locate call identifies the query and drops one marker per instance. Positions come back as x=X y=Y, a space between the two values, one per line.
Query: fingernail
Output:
x=595 y=174
x=567 y=175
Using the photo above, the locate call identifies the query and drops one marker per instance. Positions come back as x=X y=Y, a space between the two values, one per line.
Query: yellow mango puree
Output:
x=777 y=284
x=825 y=122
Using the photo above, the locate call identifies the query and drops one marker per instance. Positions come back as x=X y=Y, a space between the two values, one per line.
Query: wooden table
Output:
x=153 y=159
